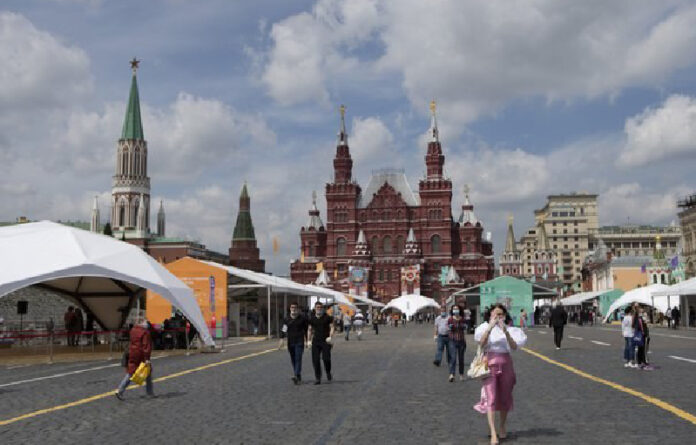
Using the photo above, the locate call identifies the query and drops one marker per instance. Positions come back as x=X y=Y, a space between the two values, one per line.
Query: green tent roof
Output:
x=132 y=125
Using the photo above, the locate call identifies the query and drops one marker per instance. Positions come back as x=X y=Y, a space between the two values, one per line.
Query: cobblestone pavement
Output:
x=385 y=390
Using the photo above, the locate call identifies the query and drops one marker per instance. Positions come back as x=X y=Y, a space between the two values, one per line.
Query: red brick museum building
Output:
x=387 y=240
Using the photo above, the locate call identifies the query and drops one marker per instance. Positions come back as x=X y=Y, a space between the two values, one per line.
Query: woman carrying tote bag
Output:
x=498 y=339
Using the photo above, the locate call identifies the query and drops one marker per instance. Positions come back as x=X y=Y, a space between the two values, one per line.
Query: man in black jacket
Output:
x=558 y=319
x=295 y=330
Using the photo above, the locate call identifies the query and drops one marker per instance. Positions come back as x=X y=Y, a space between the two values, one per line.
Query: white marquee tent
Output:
x=102 y=274
x=411 y=303
x=642 y=295
x=578 y=299
x=687 y=287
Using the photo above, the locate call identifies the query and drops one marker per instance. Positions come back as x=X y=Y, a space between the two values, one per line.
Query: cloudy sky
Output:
x=534 y=97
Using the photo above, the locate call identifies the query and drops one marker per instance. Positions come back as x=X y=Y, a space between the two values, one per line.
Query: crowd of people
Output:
x=76 y=326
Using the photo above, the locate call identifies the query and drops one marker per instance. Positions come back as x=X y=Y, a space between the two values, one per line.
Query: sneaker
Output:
x=451 y=378
x=627 y=365
x=329 y=377
x=436 y=363
x=151 y=396
x=632 y=365
x=294 y=379
x=461 y=377
x=298 y=380
x=558 y=348
x=119 y=396
x=317 y=382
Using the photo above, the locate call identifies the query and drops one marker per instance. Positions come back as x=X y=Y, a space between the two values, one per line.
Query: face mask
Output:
x=319 y=312
x=444 y=314
x=455 y=312
x=293 y=313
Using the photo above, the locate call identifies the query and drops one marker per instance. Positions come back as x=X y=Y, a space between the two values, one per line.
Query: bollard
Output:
x=111 y=346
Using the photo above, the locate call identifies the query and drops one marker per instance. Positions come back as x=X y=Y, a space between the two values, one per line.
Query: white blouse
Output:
x=497 y=342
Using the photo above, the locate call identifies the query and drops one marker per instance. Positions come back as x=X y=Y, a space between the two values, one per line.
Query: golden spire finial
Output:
x=342 y=110
x=432 y=106
x=134 y=64
x=510 y=218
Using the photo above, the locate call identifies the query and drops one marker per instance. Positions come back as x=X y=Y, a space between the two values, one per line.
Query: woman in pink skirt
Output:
x=498 y=339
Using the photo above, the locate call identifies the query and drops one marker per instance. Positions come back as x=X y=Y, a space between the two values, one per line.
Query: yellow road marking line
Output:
x=111 y=393
x=653 y=400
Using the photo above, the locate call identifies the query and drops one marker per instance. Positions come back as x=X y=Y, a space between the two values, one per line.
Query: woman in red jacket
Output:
x=139 y=351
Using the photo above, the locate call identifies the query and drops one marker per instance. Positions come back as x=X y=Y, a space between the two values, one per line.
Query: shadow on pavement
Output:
x=533 y=432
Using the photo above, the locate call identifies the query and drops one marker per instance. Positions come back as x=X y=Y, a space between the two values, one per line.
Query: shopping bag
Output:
x=479 y=365
x=140 y=374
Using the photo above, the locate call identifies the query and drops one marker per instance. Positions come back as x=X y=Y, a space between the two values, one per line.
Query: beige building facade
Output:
x=687 y=222
x=569 y=221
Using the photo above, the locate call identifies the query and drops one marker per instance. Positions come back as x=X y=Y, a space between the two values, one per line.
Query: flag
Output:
x=675 y=262
x=643 y=268
x=302 y=256
x=335 y=274
x=320 y=267
x=275 y=245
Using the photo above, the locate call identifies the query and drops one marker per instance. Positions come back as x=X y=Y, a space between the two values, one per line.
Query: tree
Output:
x=107 y=230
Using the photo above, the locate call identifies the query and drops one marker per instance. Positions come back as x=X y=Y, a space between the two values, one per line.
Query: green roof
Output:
x=132 y=125
x=244 y=229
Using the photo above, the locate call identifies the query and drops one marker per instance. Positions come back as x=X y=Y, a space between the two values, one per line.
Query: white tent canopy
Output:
x=578 y=299
x=687 y=287
x=365 y=300
x=104 y=275
x=410 y=304
x=642 y=295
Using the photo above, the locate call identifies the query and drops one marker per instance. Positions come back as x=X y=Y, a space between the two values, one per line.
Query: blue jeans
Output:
x=442 y=342
x=456 y=353
x=629 y=349
x=126 y=381
x=296 y=351
x=347 y=329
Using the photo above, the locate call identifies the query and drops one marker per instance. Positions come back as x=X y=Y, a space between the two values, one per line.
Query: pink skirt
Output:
x=496 y=392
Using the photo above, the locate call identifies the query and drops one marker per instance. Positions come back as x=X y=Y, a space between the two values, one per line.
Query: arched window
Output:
x=374 y=245
x=121 y=215
x=399 y=244
x=137 y=162
x=387 y=244
x=435 y=242
x=341 y=246
x=313 y=249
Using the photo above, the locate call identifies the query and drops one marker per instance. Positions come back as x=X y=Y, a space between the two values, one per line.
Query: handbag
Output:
x=140 y=374
x=479 y=365
x=638 y=338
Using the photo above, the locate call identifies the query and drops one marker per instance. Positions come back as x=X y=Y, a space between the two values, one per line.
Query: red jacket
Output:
x=140 y=347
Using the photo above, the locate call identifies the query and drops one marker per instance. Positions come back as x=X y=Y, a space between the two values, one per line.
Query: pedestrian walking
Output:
x=69 y=324
x=466 y=313
x=557 y=320
x=139 y=351
x=692 y=316
x=442 y=337
x=358 y=322
x=523 y=318
x=319 y=335
x=537 y=314
x=676 y=316
x=78 y=327
x=457 y=341
x=294 y=333
x=627 y=332
x=375 y=323
x=346 y=326
x=639 y=337
x=498 y=340
x=668 y=316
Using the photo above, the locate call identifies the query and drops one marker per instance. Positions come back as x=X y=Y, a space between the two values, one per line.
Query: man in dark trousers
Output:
x=320 y=334
x=295 y=331
x=558 y=319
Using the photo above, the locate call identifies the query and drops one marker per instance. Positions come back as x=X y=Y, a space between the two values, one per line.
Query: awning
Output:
x=578 y=299
x=102 y=274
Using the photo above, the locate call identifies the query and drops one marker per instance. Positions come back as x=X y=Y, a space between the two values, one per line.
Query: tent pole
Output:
x=276 y=316
x=285 y=303
x=268 y=312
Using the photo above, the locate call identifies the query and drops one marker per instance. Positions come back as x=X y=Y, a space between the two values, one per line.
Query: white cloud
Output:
x=475 y=57
x=309 y=48
x=641 y=205
x=37 y=69
x=371 y=141
x=657 y=134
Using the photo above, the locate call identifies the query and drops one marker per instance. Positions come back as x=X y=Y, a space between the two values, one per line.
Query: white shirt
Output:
x=627 y=326
x=497 y=342
x=441 y=325
x=358 y=319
